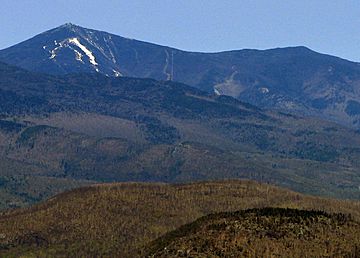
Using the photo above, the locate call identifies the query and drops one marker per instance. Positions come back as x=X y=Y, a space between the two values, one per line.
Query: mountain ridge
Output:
x=295 y=80
x=90 y=127
x=263 y=232
x=70 y=25
x=70 y=224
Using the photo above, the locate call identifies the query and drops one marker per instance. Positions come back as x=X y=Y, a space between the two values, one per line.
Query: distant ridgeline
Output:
x=294 y=79
x=59 y=132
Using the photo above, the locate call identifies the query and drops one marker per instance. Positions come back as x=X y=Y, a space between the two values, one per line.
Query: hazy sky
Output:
x=327 y=26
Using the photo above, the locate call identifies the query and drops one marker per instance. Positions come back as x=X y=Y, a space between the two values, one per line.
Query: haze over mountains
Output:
x=81 y=107
x=65 y=131
x=294 y=79
x=77 y=122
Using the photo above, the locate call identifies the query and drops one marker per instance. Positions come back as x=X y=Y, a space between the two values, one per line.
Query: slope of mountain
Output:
x=267 y=232
x=91 y=127
x=294 y=79
x=119 y=220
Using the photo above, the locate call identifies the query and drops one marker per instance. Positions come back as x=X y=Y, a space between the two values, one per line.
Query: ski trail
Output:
x=168 y=75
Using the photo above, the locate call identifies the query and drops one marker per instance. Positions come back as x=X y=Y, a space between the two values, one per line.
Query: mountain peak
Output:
x=68 y=25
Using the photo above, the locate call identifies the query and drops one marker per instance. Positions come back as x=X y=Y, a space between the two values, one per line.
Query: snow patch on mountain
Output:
x=165 y=69
x=86 y=47
x=109 y=41
x=78 y=56
x=217 y=92
x=53 y=52
x=76 y=42
x=264 y=90
x=117 y=73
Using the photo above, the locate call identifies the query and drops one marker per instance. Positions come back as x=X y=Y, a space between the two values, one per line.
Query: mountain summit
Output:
x=73 y=49
x=68 y=49
x=293 y=79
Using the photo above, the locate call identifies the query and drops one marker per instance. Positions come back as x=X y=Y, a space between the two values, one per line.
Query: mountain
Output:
x=265 y=232
x=66 y=131
x=73 y=49
x=293 y=79
x=120 y=220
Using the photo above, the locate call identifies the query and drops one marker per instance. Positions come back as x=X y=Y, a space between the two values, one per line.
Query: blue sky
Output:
x=327 y=26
